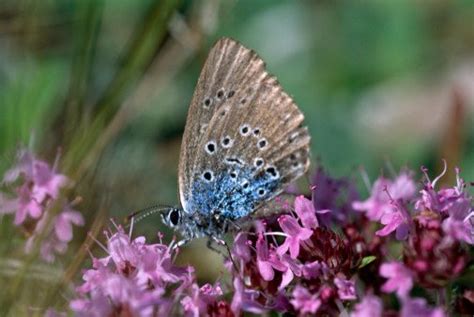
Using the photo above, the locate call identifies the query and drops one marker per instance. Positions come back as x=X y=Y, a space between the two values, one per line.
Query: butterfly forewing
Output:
x=244 y=139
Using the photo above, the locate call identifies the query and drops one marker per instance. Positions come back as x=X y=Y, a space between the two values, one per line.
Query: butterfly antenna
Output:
x=144 y=213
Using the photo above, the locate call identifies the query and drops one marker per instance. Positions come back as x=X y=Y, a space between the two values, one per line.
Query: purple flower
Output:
x=56 y=240
x=400 y=279
x=417 y=307
x=304 y=208
x=241 y=249
x=137 y=278
x=370 y=306
x=454 y=203
x=384 y=193
x=345 y=289
x=295 y=233
x=312 y=270
x=305 y=302
x=40 y=182
x=395 y=220
x=38 y=189
x=198 y=302
x=245 y=299
x=306 y=212
x=267 y=261
x=64 y=221
x=335 y=194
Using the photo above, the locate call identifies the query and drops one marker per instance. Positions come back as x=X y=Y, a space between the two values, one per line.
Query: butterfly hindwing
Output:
x=244 y=139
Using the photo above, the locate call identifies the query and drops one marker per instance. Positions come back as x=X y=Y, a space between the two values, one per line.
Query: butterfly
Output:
x=243 y=143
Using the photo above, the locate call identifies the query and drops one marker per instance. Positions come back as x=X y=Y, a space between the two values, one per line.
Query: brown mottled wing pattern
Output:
x=240 y=114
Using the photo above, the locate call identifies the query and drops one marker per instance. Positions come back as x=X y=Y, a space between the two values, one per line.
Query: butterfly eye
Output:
x=174 y=217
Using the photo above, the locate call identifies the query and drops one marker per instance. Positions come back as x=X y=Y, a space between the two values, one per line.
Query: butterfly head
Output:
x=173 y=217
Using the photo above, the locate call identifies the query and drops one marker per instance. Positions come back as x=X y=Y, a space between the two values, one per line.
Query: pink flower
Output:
x=267 y=261
x=241 y=249
x=64 y=221
x=26 y=205
x=294 y=233
x=306 y=212
x=198 y=302
x=39 y=183
x=345 y=289
x=245 y=299
x=395 y=220
x=370 y=306
x=384 y=191
x=417 y=307
x=454 y=203
x=140 y=279
x=400 y=279
x=334 y=194
x=38 y=189
x=305 y=302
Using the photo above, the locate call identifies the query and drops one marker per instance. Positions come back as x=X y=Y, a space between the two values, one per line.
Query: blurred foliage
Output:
x=109 y=83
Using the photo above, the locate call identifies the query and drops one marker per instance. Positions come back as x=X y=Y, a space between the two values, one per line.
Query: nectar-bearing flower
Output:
x=140 y=279
x=35 y=188
x=291 y=262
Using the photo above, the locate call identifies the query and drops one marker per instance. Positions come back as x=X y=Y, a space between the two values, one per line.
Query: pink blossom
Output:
x=345 y=289
x=370 y=306
x=400 y=278
x=295 y=233
x=140 y=279
x=417 y=307
x=245 y=299
x=334 y=194
x=395 y=220
x=267 y=261
x=305 y=302
x=384 y=191
x=306 y=212
x=197 y=302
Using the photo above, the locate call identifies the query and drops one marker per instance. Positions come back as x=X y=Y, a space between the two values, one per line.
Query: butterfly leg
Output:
x=180 y=243
x=210 y=245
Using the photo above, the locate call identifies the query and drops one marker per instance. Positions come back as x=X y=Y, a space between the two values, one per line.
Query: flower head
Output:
x=400 y=279
x=384 y=193
x=304 y=302
x=417 y=307
x=295 y=234
x=335 y=194
x=370 y=306
x=37 y=189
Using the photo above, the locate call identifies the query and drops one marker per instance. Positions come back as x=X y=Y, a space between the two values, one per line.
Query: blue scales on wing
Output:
x=233 y=194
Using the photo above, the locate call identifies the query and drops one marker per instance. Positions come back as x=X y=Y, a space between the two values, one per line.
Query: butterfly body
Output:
x=243 y=142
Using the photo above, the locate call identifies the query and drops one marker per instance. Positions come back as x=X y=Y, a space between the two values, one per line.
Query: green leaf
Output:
x=367 y=260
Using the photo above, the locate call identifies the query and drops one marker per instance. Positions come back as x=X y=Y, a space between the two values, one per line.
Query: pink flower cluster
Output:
x=284 y=265
x=303 y=261
x=140 y=279
x=36 y=187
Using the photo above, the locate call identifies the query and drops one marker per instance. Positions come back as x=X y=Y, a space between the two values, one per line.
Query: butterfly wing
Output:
x=243 y=140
